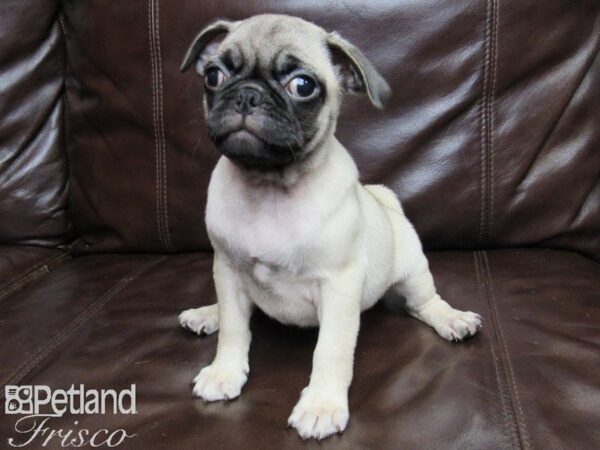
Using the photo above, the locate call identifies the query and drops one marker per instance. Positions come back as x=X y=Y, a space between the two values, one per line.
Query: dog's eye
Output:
x=214 y=78
x=302 y=87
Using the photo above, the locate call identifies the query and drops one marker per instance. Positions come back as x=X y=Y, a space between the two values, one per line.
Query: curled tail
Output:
x=385 y=196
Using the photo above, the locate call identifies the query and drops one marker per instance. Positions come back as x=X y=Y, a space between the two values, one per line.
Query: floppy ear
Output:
x=356 y=73
x=205 y=45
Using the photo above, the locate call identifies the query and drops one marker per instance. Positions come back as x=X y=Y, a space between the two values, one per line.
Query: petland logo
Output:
x=39 y=405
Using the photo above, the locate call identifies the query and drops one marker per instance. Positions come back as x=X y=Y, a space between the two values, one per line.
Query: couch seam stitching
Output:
x=164 y=192
x=28 y=269
x=495 y=20
x=510 y=375
x=31 y=274
x=155 y=126
x=482 y=115
x=482 y=290
x=486 y=117
x=74 y=325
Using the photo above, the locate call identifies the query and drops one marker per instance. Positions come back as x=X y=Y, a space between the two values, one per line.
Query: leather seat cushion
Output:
x=528 y=379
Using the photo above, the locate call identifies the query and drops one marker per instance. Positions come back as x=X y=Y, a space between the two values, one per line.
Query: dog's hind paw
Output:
x=204 y=320
x=459 y=325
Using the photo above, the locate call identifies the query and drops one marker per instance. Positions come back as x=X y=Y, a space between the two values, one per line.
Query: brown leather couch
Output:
x=491 y=141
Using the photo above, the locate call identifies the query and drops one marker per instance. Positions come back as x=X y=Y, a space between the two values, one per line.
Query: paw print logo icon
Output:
x=18 y=399
x=12 y=406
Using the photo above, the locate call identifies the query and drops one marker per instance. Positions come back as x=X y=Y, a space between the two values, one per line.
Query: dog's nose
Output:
x=247 y=99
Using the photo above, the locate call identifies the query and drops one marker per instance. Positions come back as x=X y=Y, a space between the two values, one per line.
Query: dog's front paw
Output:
x=319 y=414
x=217 y=382
x=203 y=320
x=458 y=325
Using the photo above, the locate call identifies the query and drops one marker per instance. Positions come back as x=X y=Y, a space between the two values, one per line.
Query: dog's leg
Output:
x=323 y=406
x=423 y=302
x=225 y=377
x=202 y=321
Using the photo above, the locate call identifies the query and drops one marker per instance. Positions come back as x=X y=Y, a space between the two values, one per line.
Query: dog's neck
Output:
x=320 y=161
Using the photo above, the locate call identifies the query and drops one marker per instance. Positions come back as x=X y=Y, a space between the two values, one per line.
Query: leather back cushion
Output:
x=33 y=166
x=490 y=140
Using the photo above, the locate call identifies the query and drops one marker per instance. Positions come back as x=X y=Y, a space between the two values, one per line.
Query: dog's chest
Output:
x=273 y=228
x=274 y=242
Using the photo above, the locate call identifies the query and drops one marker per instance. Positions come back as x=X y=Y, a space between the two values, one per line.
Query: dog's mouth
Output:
x=252 y=151
x=240 y=134
x=245 y=134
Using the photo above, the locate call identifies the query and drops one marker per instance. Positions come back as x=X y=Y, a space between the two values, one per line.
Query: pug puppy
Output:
x=293 y=230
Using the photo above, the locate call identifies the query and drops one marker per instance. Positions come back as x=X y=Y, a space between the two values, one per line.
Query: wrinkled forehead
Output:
x=281 y=44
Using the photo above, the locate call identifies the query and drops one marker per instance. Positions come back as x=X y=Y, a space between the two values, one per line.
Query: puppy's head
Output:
x=273 y=87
